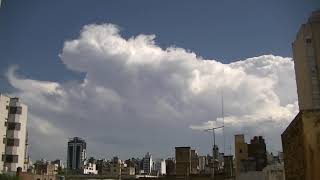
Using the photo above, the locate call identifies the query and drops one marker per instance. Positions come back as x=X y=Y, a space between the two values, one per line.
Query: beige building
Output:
x=301 y=139
x=306 y=55
x=13 y=130
x=241 y=152
x=183 y=161
x=301 y=146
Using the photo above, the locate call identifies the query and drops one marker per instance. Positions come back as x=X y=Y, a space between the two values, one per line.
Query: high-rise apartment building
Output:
x=147 y=163
x=301 y=139
x=77 y=148
x=13 y=130
x=306 y=55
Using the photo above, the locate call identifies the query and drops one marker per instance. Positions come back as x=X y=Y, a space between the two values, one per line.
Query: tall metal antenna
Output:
x=213 y=148
x=222 y=114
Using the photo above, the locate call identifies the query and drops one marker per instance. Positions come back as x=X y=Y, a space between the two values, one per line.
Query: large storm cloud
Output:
x=137 y=97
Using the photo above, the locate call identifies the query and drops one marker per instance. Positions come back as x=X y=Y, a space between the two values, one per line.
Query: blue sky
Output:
x=115 y=87
x=32 y=32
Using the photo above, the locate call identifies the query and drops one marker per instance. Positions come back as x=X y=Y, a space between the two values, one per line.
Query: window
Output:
x=15 y=110
x=240 y=151
x=12 y=142
x=308 y=40
x=11 y=158
x=14 y=126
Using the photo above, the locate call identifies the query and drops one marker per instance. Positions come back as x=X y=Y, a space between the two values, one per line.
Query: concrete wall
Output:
x=253 y=175
x=301 y=146
x=4 y=102
x=241 y=151
x=307 y=62
x=17 y=134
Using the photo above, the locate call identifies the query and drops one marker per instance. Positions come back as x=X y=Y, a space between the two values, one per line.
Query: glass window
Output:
x=14 y=126
x=11 y=158
x=12 y=142
x=15 y=110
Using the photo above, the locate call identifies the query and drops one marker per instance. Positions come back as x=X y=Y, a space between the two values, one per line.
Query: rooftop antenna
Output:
x=214 y=146
x=222 y=114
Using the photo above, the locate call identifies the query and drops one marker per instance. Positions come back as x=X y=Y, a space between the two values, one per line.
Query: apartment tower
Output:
x=306 y=56
x=76 y=153
x=301 y=139
x=13 y=129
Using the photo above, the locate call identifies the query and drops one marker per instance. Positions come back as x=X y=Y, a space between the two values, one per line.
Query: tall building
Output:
x=147 y=163
x=257 y=149
x=250 y=157
x=183 y=161
x=301 y=139
x=306 y=55
x=160 y=167
x=13 y=129
x=241 y=152
x=76 y=156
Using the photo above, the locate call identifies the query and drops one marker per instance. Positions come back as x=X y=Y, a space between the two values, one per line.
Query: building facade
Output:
x=160 y=167
x=228 y=166
x=76 y=156
x=13 y=129
x=301 y=139
x=241 y=152
x=257 y=150
x=250 y=157
x=147 y=163
x=183 y=161
x=301 y=146
x=306 y=56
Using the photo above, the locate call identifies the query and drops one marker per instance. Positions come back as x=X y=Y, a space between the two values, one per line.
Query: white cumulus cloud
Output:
x=137 y=97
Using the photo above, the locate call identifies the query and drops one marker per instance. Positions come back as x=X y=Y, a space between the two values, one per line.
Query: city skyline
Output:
x=129 y=91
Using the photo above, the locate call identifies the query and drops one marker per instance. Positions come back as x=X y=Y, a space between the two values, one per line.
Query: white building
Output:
x=13 y=129
x=160 y=167
x=90 y=168
x=147 y=163
x=202 y=163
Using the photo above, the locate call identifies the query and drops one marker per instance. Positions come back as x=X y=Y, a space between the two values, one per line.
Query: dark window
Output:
x=78 y=156
x=4 y=140
x=5 y=123
x=15 y=110
x=14 y=126
x=11 y=159
x=308 y=40
x=12 y=142
x=240 y=150
x=70 y=154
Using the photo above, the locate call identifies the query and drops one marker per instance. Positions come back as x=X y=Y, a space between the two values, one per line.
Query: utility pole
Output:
x=214 y=145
